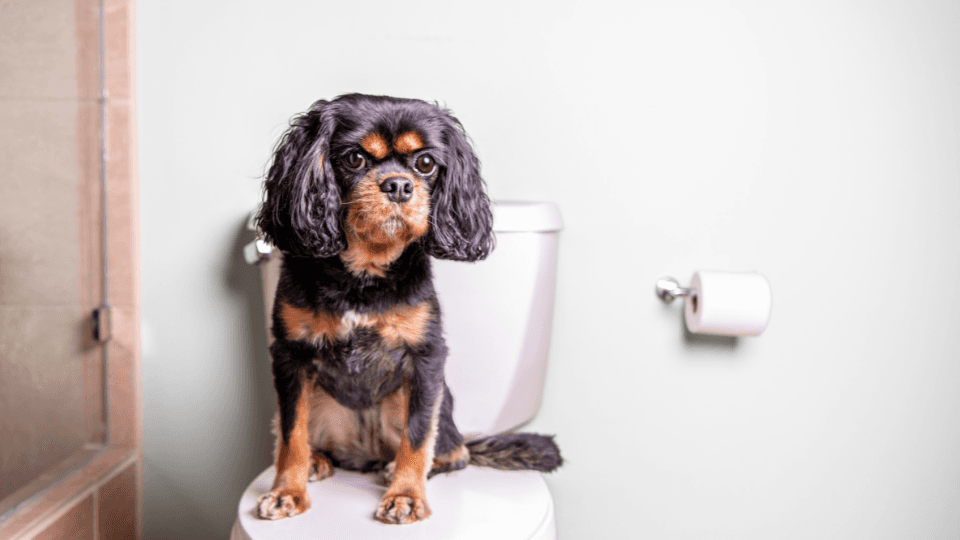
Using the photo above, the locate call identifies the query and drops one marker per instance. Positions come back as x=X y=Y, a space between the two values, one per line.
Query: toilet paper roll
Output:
x=728 y=303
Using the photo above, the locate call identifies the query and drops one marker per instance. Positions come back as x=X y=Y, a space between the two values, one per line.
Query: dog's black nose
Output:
x=398 y=188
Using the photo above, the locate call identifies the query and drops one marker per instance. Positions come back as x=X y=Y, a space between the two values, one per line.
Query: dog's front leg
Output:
x=289 y=494
x=405 y=500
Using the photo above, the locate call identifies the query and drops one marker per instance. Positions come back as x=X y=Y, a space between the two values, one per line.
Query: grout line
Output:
x=96 y=515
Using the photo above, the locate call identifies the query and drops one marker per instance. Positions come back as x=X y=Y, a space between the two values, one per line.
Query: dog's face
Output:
x=364 y=177
x=386 y=168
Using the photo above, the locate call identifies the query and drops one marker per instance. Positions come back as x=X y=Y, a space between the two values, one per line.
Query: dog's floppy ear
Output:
x=301 y=211
x=461 y=224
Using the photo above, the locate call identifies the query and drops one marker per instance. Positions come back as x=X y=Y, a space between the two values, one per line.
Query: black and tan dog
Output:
x=362 y=191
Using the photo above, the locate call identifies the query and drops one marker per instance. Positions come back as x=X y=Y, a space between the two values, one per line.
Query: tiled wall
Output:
x=51 y=387
x=108 y=512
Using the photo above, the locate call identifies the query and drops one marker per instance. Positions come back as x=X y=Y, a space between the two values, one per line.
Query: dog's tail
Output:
x=515 y=451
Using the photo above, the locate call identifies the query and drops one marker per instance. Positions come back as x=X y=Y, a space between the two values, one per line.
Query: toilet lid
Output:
x=474 y=503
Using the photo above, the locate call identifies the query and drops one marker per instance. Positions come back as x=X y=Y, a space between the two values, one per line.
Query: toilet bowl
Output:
x=497 y=319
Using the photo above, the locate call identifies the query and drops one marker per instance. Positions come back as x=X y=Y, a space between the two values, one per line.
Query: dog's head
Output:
x=366 y=176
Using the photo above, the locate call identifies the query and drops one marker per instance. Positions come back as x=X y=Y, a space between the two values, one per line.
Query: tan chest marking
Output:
x=404 y=324
x=306 y=325
x=396 y=326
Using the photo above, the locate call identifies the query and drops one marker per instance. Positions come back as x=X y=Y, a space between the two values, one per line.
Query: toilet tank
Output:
x=497 y=316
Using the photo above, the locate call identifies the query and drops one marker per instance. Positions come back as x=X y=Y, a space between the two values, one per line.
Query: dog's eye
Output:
x=425 y=164
x=354 y=160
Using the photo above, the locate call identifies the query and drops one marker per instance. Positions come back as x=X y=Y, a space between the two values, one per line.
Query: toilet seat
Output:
x=474 y=503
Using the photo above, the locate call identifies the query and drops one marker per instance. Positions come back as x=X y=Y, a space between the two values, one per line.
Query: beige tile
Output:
x=117 y=507
x=87 y=23
x=45 y=248
x=124 y=347
x=122 y=353
x=41 y=391
x=89 y=214
x=118 y=49
x=76 y=524
x=125 y=328
x=95 y=422
x=49 y=49
x=124 y=406
x=121 y=205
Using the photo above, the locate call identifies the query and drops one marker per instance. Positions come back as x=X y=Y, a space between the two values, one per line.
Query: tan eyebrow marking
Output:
x=375 y=145
x=408 y=142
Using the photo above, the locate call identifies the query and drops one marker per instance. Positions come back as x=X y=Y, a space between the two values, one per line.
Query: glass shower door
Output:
x=51 y=243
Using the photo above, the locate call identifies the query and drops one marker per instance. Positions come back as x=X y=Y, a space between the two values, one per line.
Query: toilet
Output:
x=497 y=319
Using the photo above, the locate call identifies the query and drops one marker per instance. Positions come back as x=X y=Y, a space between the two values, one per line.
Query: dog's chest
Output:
x=397 y=326
x=361 y=356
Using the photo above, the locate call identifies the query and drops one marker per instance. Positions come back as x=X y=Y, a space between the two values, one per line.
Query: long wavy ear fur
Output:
x=461 y=224
x=301 y=211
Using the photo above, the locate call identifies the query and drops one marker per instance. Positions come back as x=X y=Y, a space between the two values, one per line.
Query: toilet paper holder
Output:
x=739 y=305
x=669 y=288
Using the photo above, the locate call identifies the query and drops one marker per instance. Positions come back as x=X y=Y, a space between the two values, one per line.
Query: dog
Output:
x=361 y=193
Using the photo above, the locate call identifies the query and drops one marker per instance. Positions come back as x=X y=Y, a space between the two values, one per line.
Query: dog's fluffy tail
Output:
x=515 y=451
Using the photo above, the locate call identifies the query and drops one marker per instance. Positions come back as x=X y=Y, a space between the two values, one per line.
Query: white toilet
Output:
x=497 y=318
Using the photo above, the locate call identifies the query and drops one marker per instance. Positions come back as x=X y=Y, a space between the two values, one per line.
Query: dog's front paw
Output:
x=282 y=503
x=402 y=508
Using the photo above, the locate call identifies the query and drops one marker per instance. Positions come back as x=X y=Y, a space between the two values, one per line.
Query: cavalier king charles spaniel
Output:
x=362 y=192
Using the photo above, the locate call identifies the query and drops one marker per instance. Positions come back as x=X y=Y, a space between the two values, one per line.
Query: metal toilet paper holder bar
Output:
x=669 y=288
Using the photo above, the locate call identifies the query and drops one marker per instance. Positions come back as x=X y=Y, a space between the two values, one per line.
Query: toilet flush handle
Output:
x=259 y=250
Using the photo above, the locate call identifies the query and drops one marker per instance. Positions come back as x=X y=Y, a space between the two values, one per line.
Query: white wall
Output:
x=815 y=142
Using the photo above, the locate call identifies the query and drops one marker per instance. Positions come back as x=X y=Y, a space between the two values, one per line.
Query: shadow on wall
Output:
x=244 y=279
x=247 y=431
x=202 y=504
